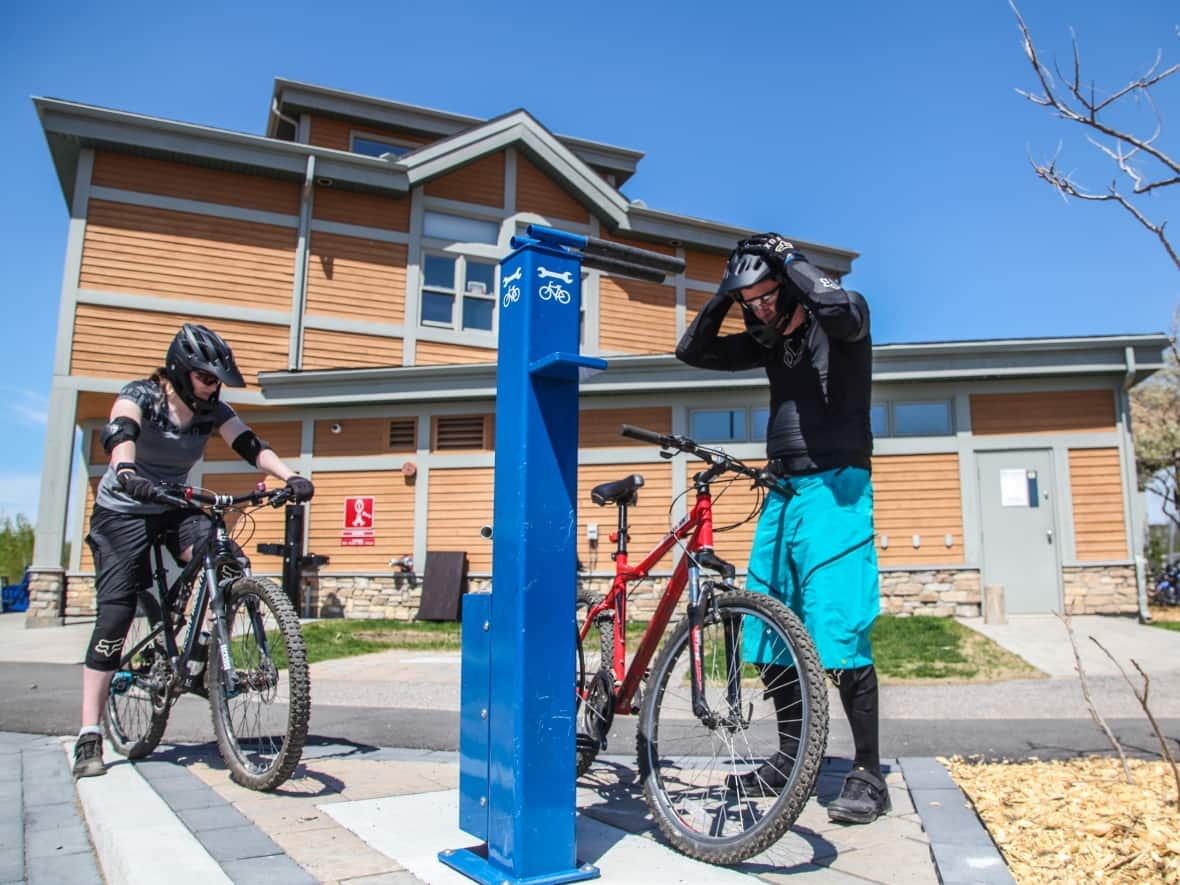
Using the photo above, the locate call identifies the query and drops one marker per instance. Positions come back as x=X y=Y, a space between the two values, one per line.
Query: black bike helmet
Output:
x=745 y=269
x=198 y=348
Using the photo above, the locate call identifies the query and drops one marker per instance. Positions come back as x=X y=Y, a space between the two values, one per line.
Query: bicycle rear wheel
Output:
x=692 y=766
x=593 y=710
x=136 y=712
x=262 y=725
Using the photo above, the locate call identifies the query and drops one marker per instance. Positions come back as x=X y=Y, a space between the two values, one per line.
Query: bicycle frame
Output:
x=695 y=532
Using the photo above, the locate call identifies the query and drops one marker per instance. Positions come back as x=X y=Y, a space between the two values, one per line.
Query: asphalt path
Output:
x=43 y=699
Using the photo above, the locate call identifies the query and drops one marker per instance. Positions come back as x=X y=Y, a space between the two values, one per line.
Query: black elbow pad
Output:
x=250 y=445
x=120 y=429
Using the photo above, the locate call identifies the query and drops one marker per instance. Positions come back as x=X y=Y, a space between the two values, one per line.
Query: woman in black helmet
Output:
x=813 y=548
x=158 y=429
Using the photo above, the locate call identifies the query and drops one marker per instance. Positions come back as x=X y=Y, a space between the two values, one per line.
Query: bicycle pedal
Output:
x=121 y=681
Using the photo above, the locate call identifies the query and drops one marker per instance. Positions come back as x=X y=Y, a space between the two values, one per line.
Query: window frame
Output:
x=459 y=295
x=891 y=431
x=404 y=147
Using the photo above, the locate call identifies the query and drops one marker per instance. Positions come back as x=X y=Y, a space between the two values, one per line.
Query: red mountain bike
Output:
x=708 y=724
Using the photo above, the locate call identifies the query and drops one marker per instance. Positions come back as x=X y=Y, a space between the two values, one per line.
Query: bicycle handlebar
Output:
x=189 y=498
x=716 y=457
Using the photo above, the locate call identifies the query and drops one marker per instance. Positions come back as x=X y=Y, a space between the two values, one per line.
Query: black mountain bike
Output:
x=251 y=665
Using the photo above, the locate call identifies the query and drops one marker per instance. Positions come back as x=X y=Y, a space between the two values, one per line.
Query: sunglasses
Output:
x=761 y=299
x=206 y=378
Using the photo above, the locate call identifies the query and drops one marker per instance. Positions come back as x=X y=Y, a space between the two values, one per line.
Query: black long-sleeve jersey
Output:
x=820 y=375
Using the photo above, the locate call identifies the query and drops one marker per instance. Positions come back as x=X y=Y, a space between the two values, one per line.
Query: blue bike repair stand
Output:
x=516 y=740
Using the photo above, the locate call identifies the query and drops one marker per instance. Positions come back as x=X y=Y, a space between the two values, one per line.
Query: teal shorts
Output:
x=813 y=551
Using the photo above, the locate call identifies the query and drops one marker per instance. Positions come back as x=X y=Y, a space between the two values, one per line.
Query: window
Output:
x=759 y=421
x=721 y=425
x=376 y=147
x=930 y=418
x=450 y=281
x=922 y=419
x=460 y=229
x=401 y=434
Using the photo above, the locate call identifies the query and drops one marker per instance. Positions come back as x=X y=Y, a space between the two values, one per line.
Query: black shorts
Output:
x=121 y=543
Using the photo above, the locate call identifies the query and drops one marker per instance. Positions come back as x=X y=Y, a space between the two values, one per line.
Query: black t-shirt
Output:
x=820 y=376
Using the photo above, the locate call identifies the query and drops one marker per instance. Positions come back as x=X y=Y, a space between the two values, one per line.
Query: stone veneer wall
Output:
x=1100 y=590
x=941 y=593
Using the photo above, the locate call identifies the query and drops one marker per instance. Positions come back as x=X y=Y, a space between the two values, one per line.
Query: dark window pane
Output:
x=436 y=307
x=719 y=426
x=477 y=313
x=759 y=418
x=439 y=272
x=481 y=274
x=879 y=418
x=374 y=148
x=921 y=419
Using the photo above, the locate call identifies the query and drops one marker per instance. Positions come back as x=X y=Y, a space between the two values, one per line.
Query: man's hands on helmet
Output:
x=301 y=487
x=775 y=249
x=136 y=486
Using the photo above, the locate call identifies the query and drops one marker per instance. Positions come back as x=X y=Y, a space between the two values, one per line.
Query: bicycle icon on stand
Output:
x=554 y=292
x=512 y=295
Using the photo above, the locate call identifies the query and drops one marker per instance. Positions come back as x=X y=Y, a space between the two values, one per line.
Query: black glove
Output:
x=775 y=249
x=301 y=487
x=137 y=487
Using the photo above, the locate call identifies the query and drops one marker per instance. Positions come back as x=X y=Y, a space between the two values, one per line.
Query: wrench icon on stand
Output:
x=545 y=274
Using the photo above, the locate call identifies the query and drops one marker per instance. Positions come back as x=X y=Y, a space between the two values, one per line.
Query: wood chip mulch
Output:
x=1078 y=820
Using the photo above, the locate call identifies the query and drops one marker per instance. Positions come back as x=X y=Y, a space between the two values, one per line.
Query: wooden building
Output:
x=349 y=255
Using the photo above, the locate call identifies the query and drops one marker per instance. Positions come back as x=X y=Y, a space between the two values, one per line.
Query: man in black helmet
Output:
x=158 y=429
x=813 y=548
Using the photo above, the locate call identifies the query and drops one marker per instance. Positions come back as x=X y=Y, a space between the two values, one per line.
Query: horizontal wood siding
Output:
x=393 y=519
x=705 y=266
x=537 y=192
x=694 y=301
x=151 y=176
x=265 y=525
x=357 y=436
x=918 y=495
x=480 y=181
x=432 y=353
x=1057 y=411
x=648 y=521
x=97 y=405
x=332 y=132
x=356 y=279
x=599 y=428
x=87 y=562
x=150 y=251
x=636 y=317
x=365 y=209
x=325 y=349
x=256 y=346
x=1096 y=485
x=460 y=503
x=732 y=506
x=285 y=437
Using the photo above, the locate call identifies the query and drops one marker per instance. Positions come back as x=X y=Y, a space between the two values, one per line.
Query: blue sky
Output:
x=892 y=129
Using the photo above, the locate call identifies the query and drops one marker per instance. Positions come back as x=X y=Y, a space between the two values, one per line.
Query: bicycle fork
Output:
x=699 y=603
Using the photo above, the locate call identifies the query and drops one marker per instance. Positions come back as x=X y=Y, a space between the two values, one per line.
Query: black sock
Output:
x=858 y=694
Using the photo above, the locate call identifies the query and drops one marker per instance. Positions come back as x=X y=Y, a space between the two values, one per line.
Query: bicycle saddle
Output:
x=621 y=491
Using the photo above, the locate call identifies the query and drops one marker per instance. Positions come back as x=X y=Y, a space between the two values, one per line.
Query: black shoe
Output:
x=88 y=756
x=768 y=779
x=863 y=799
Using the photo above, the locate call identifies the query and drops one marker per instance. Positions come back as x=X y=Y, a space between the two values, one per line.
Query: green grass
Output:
x=1167 y=625
x=904 y=649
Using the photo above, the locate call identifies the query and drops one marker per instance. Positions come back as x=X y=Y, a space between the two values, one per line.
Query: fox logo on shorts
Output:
x=108 y=648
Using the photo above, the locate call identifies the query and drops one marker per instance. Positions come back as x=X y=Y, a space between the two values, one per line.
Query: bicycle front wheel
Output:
x=701 y=770
x=261 y=722
x=136 y=711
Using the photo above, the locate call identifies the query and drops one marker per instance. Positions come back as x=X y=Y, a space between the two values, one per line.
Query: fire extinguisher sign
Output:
x=358 y=522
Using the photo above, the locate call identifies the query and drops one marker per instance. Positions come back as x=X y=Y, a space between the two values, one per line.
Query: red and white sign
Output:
x=358 y=522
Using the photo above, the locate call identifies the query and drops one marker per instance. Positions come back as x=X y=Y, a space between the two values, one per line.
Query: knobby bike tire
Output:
x=590 y=660
x=135 y=718
x=685 y=779
x=259 y=736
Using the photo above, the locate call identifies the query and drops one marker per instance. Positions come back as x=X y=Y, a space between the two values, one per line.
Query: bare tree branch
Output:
x=1094 y=714
x=1074 y=102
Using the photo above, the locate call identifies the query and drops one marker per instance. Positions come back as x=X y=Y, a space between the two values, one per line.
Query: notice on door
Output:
x=1014 y=488
x=358 y=522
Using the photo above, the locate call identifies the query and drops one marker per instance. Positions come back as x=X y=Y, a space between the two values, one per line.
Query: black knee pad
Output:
x=110 y=629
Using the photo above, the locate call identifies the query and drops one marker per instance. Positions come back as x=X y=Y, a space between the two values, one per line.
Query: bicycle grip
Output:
x=641 y=433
